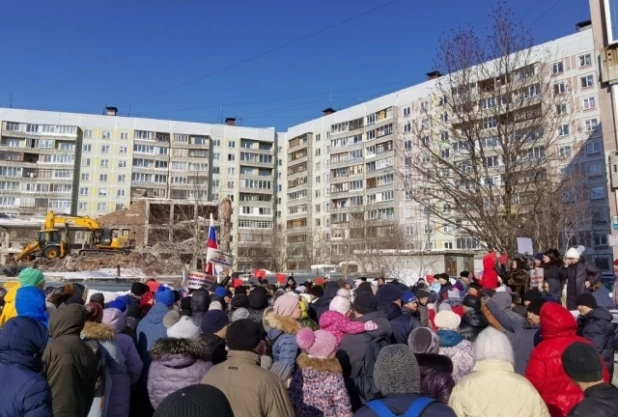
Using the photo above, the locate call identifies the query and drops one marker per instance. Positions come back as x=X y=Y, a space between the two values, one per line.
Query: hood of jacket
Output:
x=98 y=331
x=489 y=260
x=449 y=338
x=258 y=298
x=114 y=318
x=556 y=321
x=331 y=365
x=280 y=324
x=384 y=326
x=179 y=353
x=156 y=314
x=22 y=341
x=474 y=318
x=493 y=365
x=434 y=361
x=200 y=301
x=68 y=320
x=503 y=300
x=391 y=310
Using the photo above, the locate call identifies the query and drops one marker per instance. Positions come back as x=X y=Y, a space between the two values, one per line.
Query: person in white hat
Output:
x=580 y=277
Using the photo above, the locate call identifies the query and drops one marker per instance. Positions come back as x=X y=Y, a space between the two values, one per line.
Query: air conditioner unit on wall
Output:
x=613 y=166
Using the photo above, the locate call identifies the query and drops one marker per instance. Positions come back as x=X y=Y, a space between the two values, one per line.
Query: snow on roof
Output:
x=14 y=222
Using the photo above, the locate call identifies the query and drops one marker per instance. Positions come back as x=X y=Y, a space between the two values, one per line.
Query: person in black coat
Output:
x=580 y=277
x=581 y=364
x=595 y=324
x=473 y=321
x=552 y=267
x=390 y=299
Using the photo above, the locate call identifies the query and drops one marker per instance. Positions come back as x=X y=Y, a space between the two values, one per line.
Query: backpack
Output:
x=364 y=381
x=416 y=408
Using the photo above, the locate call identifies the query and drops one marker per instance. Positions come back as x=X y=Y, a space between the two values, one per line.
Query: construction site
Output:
x=157 y=237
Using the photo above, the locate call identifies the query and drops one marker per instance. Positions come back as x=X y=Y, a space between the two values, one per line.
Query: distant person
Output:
x=29 y=277
x=580 y=276
x=595 y=324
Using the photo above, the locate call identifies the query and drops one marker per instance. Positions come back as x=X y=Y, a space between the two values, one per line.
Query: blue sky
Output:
x=76 y=55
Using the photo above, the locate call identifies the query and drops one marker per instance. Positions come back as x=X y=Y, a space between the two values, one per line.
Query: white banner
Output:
x=218 y=257
x=197 y=280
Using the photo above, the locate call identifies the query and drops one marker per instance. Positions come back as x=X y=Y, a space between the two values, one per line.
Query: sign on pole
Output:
x=218 y=257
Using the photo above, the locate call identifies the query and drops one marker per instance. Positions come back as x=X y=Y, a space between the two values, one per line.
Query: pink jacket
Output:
x=338 y=325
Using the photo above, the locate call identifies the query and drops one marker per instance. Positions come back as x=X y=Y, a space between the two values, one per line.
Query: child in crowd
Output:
x=337 y=320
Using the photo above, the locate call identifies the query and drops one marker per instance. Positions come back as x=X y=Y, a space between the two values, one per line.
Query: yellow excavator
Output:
x=51 y=245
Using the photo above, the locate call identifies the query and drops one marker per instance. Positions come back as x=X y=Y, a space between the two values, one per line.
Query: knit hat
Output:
x=364 y=287
x=184 y=328
x=445 y=306
x=164 y=296
x=240 y=300
x=535 y=306
x=582 y=363
x=472 y=302
x=139 y=289
x=30 y=302
x=30 y=277
x=587 y=300
x=240 y=314
x=215 y=305
x=572 y=253
x=422 y=293
x=533 y=294
x=317 y=291
x=121 y=303
x=342 y=292
x=214 y=320
x=221 y=292
x=396 y=371
x=286 y=305
x=98 y=298
x=185 y=307
x=408 y=297
x=447 y=320
x=424 y=340
x=198 y=400
x=75 y=299
x=365 y=303
x=94 y=312
x=258 y=298
x=493 y=344
x=244 y=335
x=389 y=293
x=320 y=344
x=170 y=318
x=340 y=305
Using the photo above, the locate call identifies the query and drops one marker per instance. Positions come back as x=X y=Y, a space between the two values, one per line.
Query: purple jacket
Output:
x=120 y=396
x=176 y=363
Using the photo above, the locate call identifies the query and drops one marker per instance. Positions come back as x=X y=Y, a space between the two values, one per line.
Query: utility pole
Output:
x=10 y=100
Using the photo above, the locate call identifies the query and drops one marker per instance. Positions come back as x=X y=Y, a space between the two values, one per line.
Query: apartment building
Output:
x=93 y=164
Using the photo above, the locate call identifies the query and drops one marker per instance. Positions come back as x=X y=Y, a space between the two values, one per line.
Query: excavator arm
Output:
x=77 y=221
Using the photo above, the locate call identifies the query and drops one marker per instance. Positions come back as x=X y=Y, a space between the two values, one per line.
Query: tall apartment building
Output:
x=93 y=164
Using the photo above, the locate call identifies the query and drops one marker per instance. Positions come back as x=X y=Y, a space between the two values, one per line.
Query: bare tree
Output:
x=482 y=147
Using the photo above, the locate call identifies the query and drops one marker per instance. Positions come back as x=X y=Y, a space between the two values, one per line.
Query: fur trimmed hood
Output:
x=169 y=348
x=98 y=331
x=434 y=361
x=331 y=365
x=283 y=324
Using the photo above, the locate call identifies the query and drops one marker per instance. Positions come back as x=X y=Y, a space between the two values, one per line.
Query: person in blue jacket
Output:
x=390 y=303
x=25 y=392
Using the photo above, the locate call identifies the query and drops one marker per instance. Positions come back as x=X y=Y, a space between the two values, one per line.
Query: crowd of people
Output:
x=504 y=345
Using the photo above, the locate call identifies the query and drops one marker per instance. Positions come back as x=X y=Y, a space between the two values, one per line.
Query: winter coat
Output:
x=25 y=392
x=519 y=281
x=9 y=311
x=545 y=371
x=254 y=392
x=597 y=327
x=423 y=312
x=552 y=275
x=436 y=376
x=215 y=347
x=599 y=401
x=460 y=351
x=322 y=304
x=472 y=323
x=490 y=277
x=338 y=325
x=282 y=337
x=70 y=365
x=577 y=275
x=402 y=324
x=353 y=346
x=122 y=381
x=149 y=330
x=112 y=362
x=522 y=333
x=256 y=315
x=444 y=289
x=318 y=389
x=399 y=404
x=504 y=393
x=176 y=363
x=603 y=297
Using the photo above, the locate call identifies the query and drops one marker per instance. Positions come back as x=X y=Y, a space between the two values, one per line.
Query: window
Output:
x=122 y=164
x=85 y=176
x=318 y=137
x=87 y=148
x=123 y=149
x=121 y=192
x=564 y=151
x=102 y=192
x=83 y=206
x=231 y=144
x=448 y=245
x=600 y=239
x=585 y=60
x=594 y=169
x=587 y=81
x=83 y=191
x=557 y=68
x=124 y=136
x=597 y=193
x=101 y=206
x=106 y=134
x=406 y=111
x=317 y=179
x=105 y=149
x=563 y=130
x=561 y=109
x=559 y=88
x=591 y=125
x=231 y=157
x=444 y=135
x=122 y=178
x=589 y=103
x=104 y=163
x=318 y=152
x=87 y=133
x=103 y=177
x=86 y=162
x=489 y=122
x=230 y=184
x=317 y=222
x=536 y=153
x=593 y=148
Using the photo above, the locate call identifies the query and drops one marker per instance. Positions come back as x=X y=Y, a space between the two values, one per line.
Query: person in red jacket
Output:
x=489 y=280
x=545 y=369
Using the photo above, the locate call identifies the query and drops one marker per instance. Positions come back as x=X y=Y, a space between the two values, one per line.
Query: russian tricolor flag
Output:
x=211 y=243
